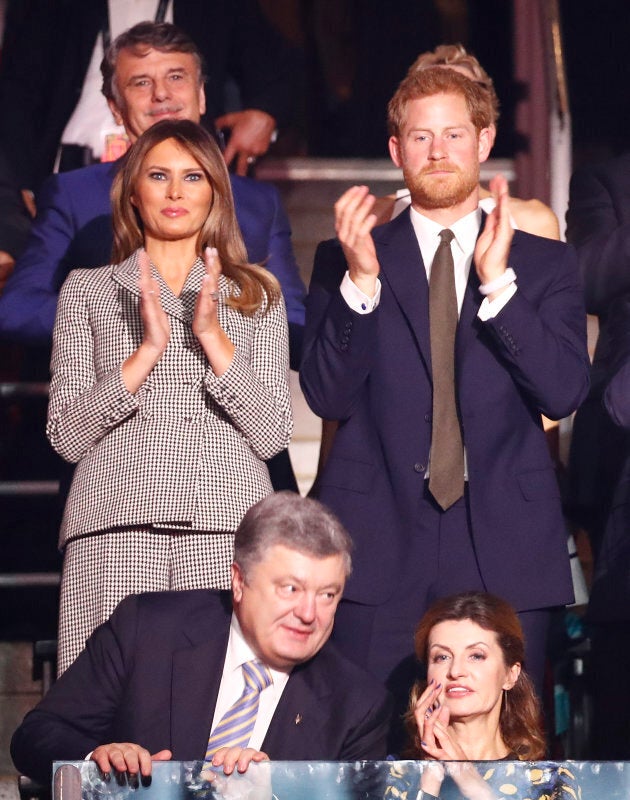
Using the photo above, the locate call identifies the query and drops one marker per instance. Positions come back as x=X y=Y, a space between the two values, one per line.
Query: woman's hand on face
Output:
x=205 y=319
x=432 y=719
x=427 y=704
x=157 y=328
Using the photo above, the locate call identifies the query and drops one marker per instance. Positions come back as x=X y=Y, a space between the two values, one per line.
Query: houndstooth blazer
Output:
x=188 y=449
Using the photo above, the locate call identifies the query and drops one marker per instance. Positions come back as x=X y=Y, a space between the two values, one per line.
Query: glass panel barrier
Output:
x=362 y=780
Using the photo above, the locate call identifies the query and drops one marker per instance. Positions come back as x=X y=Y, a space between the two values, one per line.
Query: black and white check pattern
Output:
x=187 y=450
x=99 y=571
x=182 y=459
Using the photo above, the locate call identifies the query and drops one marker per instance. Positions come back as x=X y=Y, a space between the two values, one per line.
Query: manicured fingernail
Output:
x=424 y=744
x=439 y=686
x=428 y=714
x=432 y=681
x=146 y=780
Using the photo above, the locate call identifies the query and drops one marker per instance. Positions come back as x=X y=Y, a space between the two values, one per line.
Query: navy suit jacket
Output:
x=73 y=229
x=151 y=675
x=372 y=372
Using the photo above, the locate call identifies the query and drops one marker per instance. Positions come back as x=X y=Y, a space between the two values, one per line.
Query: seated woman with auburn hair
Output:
x=477 y=704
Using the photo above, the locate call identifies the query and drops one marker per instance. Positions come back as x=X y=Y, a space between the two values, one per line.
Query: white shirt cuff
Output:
x=356 y=299
x=490 y=308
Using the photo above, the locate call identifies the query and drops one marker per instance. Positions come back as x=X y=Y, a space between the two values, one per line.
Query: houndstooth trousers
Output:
x=100 y=570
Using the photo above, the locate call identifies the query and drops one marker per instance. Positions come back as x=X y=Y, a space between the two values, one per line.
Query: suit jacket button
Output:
x=418 y=467
x=428 y=418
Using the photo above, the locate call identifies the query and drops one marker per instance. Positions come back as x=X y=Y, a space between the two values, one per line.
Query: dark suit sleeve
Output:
x=602 y=237
x=29 y=301
x=15 y=221
x=617 y=393
x=281 y=262
x=338 y=342
x=367 y=740
x=79 y=711
x=541 y=334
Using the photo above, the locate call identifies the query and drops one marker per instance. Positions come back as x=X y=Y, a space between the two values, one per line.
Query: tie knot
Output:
x=447 y=235
x=256 y=675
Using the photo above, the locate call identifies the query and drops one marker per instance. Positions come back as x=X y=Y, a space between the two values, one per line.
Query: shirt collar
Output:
x=465 y=230
x=239 y=652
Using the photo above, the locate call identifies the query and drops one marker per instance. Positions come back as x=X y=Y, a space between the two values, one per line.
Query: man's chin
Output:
x=440 y=191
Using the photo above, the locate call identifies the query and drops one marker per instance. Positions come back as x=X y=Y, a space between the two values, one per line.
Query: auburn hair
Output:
x=520 y=715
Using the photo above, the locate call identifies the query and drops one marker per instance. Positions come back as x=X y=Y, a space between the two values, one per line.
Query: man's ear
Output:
x=115 y=111
x=202 y=99
x=485 y=142
x=238 y=582
x=394 y=150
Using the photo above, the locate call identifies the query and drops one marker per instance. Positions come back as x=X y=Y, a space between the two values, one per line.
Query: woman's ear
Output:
x=512 y=676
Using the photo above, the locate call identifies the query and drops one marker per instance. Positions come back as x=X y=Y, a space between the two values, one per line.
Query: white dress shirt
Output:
x=232 y=684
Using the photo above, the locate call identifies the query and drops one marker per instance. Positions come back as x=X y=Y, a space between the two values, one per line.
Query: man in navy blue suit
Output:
x=518 y=350
x=161 y=673
x=151 y=71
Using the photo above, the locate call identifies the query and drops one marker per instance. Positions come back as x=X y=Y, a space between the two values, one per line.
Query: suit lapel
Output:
x=403 y=270
x=295 y=727
x=127 y=273
x=196 y=678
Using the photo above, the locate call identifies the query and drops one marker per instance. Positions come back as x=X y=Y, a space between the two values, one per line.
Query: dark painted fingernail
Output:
x=439 y=686
x=120 y=778
x=431 y=681
x=133 y=781
x=428 y=714
x=145 y=780
x=106 y=776
x=424 y=744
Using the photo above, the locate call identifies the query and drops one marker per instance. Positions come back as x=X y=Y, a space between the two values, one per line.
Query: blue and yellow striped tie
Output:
x=236 y=725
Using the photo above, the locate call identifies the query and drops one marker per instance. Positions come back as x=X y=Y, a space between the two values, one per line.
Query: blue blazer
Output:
x=151 y=675
x=372 y=373
x=73 y=229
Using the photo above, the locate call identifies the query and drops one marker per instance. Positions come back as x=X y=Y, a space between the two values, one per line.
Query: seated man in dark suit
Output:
x=160 y=675
x=151 y=71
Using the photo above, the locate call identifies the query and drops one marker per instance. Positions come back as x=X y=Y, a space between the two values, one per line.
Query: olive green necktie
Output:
x=446 y=475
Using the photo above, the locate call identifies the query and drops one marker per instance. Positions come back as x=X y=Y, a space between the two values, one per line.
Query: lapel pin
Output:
x=298 y=719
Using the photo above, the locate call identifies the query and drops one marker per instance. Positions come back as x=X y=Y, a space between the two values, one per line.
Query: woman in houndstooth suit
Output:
x=169 y=386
